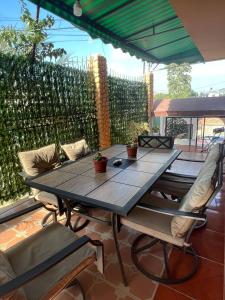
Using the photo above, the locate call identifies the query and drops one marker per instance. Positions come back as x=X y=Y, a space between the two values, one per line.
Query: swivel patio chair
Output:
x=39 y=161
x=166 y=222
x=177 y=185
x=44 y=264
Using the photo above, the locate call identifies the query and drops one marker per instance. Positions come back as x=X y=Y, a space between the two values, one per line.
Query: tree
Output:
x=161 y=96
x=177 y=127
x=179 y=80
x=21 y=42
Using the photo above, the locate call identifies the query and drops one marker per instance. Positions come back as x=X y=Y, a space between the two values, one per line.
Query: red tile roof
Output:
x=190 y=107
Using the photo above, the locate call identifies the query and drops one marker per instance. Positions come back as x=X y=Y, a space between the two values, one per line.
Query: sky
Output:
x=77 y=43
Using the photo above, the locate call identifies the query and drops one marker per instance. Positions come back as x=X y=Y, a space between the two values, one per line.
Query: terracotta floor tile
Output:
x=86 y=279
x=166 y=293
x=209 y=244
x=152 y=264
x=102 y=291
x=206 y=284
x=215 y=220
x=141 y=286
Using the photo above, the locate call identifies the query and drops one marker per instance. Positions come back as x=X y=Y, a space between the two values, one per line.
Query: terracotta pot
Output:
x=100 y=165
x=132 y=151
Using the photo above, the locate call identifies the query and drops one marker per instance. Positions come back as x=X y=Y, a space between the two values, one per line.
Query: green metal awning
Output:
x=148 y=29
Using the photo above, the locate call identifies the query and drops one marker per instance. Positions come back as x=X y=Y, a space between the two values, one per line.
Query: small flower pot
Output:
x=100 y=165
x=132 y=152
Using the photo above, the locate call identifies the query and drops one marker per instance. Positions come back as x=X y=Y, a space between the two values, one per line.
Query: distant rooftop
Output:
x=190 y=107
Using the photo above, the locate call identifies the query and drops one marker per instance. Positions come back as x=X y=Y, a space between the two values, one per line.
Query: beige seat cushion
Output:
x=76 y=150
x=151 y=223
x=35 y=162
x=196 y=197
x=213 y=154
x=7 y=274
x=38 y=248
x=47 y=198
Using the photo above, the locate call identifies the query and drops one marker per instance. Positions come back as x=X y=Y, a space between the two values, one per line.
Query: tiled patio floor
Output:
x=207 y=284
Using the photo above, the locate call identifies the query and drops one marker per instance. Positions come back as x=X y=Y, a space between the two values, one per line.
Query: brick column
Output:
x=98 y=68
x=150 y=95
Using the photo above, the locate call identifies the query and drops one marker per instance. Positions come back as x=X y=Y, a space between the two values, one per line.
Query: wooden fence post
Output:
x=98 y=68
x=149 y=80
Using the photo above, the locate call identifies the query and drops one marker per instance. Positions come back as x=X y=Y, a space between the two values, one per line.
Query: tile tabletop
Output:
x=118 y=189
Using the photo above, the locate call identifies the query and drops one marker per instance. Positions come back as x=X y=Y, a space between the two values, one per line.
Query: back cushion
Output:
x=76 y=150
x=213 y=154
x=7 y=274
x=38 y=161
x=196 y=197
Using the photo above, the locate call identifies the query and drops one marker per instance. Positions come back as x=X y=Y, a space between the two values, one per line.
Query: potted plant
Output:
x=100 y=163
x=132 y=149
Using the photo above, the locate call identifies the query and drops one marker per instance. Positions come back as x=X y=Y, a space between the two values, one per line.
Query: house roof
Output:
x=190 y=107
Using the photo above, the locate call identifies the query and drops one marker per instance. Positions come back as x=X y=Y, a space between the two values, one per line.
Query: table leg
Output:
x=115 y=230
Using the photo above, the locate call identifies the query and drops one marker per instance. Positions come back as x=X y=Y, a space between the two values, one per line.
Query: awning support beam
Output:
x=171 y=42
x=156 y=33
x=151 y=27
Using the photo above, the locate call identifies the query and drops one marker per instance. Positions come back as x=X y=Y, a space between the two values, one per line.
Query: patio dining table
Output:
x=117 y=190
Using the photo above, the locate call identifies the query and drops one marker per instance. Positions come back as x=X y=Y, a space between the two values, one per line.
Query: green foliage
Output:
x=40 y=104
x=177 y=127
x=161 y=96
x=179 y=80
x=127 y=103
x=21 y=42
x=98 y=156
x=134 y=130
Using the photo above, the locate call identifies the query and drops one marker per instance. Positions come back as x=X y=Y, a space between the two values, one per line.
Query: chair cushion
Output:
x=7 y=274
x=76 y=150
x=47 y=198
x=151 y=223
x=213 y=154
x=38 y=248
x=197 y=196
x=37 y=161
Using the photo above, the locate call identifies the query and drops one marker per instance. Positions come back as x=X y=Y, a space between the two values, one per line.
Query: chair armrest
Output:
x=173 y=212
x=20 y=213
x=43 y=267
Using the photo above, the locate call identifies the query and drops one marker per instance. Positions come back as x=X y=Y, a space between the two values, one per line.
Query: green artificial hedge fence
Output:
x=127 y=102
x=44 y=103
x=40 y=104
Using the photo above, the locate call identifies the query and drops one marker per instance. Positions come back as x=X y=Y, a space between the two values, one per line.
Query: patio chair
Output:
x=166 y=222
x=215 y=138
x=156 y=141
x=177 y=185
x=39 y=161
x=73 y=152
x=47 y=262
